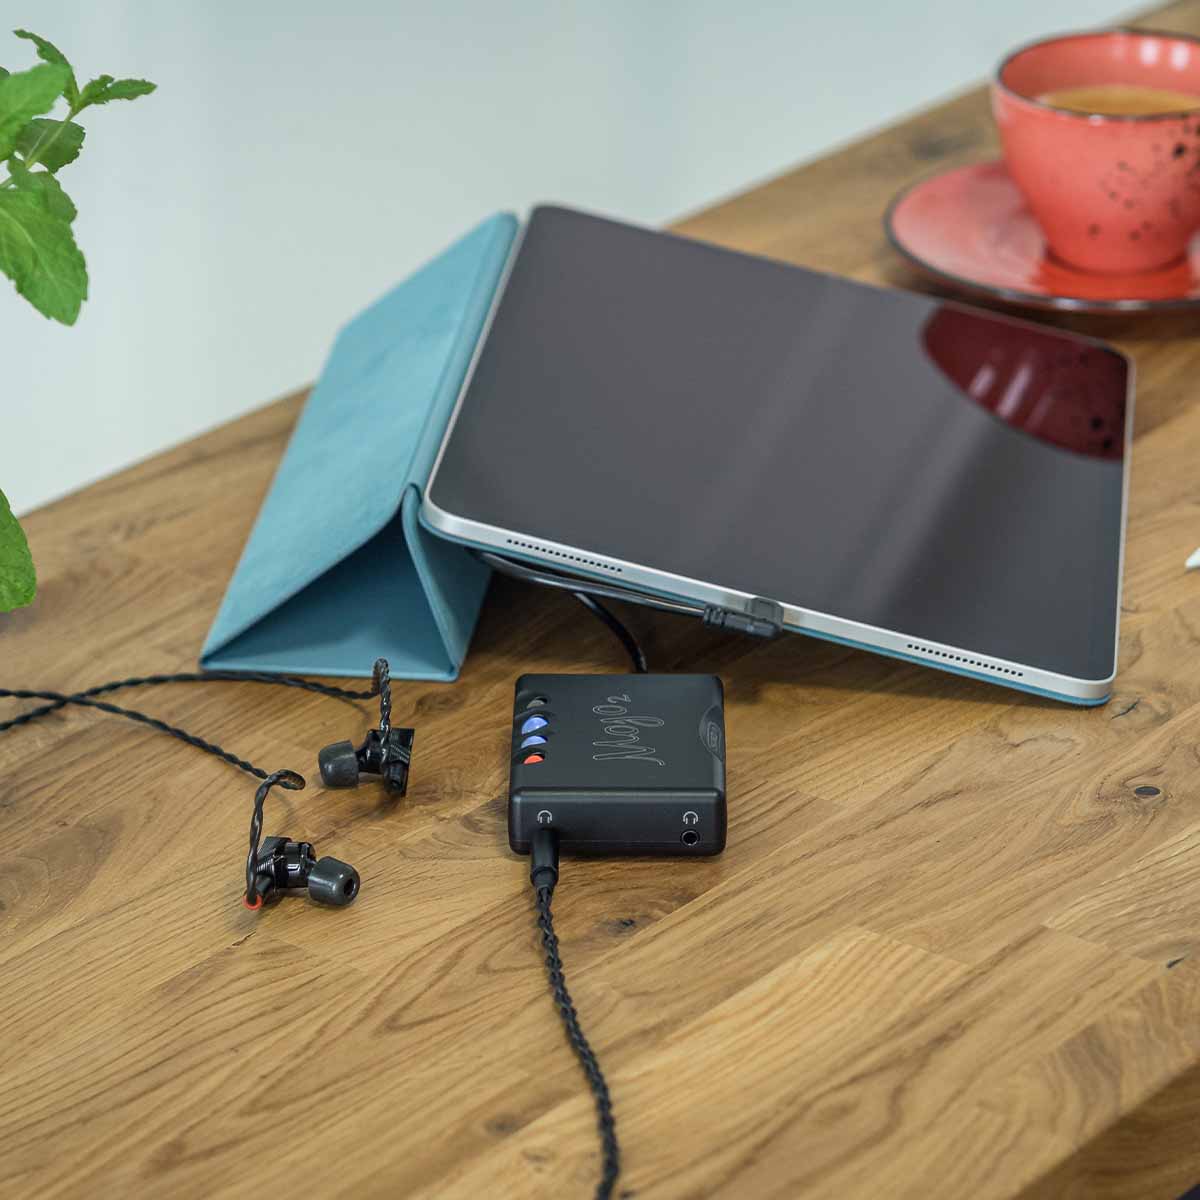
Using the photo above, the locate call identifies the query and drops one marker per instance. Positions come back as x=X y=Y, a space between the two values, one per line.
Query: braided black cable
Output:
x=293 y=681
x=605 y=1121
x=132 y=714
x=286 y=779
x=291 y=780
x=381 y=685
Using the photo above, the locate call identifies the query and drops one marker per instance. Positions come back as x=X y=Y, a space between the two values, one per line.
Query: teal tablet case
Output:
x=338 y=571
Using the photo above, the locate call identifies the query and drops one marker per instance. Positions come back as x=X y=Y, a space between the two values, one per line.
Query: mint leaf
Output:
x=117 y=89
x=38 y=253
x=27 y=94
x=52 y=144
x=43 y=185
x=55 y=201
x=91 y=91
x=18 y=580
x=52 y=54
x=128 y=89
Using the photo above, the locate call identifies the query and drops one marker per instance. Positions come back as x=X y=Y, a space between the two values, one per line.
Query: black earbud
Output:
x=275 y=866
x=288 y=866
x=341 y=764
x=385 y=752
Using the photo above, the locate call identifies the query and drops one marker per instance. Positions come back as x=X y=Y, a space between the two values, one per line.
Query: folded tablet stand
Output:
x=338 y=570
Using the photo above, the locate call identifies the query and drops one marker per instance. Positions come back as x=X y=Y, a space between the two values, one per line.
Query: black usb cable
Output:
x=761 y=618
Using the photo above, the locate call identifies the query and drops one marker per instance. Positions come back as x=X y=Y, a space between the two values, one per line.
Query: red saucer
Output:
x=971 y=228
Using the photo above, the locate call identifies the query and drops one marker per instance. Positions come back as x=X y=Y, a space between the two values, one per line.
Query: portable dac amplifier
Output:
x=619 y=764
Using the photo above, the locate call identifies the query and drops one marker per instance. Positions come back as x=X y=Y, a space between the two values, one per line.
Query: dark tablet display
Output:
x=879 y=456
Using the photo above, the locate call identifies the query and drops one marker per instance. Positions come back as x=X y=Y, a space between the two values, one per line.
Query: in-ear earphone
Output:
x=274 y=865
x=385 y=752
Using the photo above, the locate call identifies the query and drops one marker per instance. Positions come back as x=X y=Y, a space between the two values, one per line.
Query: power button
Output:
x=714 y=739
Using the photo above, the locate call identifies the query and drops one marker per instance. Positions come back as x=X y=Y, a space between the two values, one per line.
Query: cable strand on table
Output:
x=292 y=681
x=131 y=714
x=605 y=1121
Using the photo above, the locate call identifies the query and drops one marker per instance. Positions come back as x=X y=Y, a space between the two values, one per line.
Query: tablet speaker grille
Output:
x=587 y=562
x=963 y=661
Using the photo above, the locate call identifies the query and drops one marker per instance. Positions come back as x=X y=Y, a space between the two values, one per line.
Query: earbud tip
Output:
x=334 y=882
x=339 y=765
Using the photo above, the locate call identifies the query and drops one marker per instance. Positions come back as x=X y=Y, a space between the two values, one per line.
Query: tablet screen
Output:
x=879 y=456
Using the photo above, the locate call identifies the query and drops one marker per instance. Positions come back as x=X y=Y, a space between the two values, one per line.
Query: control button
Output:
x=532 y=724
x=534 y=739
x=711 y=732
x=691 y=818
x=534 y=758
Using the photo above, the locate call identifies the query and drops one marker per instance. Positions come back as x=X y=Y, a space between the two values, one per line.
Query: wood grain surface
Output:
x=949 y=952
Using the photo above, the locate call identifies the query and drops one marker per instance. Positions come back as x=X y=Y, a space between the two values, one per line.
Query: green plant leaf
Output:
x=3 y=73
x=62 y=141
x=116 y=89
x=38 y=253
x=25 y=95
x=128 y=89
x=43 y=185
x=18 y=580
x=54 y=200
x=91 y=90
x=50 y=53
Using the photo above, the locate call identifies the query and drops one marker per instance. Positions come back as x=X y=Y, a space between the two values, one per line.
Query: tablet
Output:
x=908 y=475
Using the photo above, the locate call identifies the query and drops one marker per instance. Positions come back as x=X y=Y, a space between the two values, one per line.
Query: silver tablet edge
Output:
x=953 y=659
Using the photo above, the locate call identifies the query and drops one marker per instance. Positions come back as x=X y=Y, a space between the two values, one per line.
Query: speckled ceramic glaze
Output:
x=971 y=227
x=1111 y=193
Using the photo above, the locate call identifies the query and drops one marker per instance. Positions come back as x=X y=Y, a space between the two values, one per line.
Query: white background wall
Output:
x=300 y=158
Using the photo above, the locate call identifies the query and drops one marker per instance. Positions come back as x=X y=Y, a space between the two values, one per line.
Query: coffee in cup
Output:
x=1120 y=100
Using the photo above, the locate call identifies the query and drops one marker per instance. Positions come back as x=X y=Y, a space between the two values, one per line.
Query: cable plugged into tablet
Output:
x=762 y=618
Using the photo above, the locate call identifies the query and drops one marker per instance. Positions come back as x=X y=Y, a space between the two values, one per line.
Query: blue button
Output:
x=535 y=739
x=533 y=724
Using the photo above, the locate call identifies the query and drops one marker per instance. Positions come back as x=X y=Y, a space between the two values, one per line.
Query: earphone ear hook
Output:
x=385 y=751
x=382 y=682
x=293 y=781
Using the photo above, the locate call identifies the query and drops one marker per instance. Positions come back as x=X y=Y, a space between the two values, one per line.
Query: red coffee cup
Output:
x=1112 y=193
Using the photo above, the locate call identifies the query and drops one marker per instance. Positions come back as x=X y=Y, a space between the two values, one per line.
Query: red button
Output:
x=534 y=758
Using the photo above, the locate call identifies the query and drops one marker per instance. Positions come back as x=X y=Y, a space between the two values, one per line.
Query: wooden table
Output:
x=948 y=953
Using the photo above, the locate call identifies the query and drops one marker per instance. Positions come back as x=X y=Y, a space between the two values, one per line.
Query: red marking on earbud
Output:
x=252 y=907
